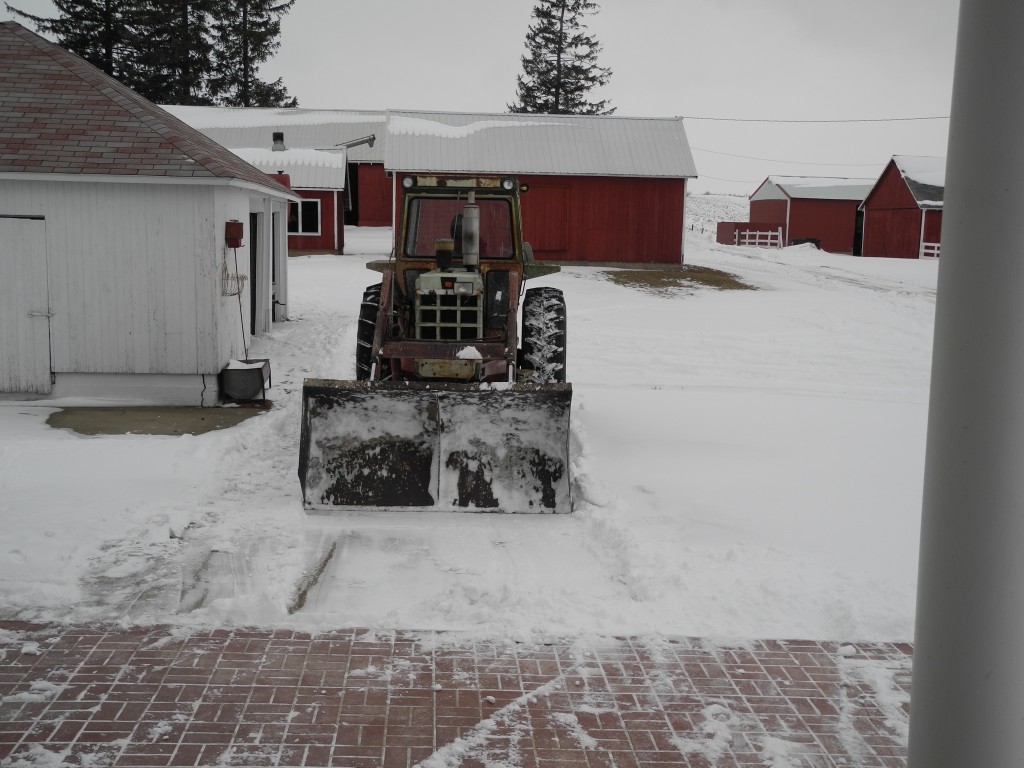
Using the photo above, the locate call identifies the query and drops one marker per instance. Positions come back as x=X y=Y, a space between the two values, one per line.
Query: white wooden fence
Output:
x=930 y=250
x=759 y=239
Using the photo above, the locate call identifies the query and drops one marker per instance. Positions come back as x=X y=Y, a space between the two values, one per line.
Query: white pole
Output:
x=967 y=706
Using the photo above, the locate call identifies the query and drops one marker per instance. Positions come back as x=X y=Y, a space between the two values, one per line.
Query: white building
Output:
x=117 y=279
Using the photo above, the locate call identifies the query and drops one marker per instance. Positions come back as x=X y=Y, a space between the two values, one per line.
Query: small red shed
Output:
x=903 y=211
x=819 y=210
x=317 y=222
x=601 y=189
x=367 y=199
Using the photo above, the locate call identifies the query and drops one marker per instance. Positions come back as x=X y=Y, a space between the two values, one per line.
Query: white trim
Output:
x=319 y=220
x=336 y=220
x=106 y=178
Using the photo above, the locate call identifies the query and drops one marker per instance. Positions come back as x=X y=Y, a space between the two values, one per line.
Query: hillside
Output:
x=703 y=212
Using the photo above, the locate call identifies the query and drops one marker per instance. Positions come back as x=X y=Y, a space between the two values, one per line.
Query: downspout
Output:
x=336 y=220
x=968 y=679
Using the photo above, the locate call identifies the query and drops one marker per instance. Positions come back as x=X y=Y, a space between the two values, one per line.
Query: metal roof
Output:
x=306 y=168
x=325 y=129
x=567 y=145
x=812 y=188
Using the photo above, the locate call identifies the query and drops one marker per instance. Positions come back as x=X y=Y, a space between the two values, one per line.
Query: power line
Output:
x=854 y=120
x=789 y=162
x=717 y=178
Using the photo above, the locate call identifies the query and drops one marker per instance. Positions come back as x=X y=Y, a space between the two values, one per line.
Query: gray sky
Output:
x=770 y=60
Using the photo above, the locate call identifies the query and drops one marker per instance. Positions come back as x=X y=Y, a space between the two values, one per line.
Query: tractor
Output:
x=455 y=405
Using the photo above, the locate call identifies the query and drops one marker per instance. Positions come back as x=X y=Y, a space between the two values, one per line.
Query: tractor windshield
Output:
x=433 y=218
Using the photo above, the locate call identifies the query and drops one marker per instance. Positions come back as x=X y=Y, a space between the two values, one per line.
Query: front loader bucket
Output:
x=461 y=447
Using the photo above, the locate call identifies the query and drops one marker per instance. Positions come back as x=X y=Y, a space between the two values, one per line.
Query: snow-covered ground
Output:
x=748 y=464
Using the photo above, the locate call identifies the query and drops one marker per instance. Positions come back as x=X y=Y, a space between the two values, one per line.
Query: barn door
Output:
x=24 y=306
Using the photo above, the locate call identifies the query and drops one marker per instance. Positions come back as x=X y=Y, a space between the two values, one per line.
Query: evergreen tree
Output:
x=560 y=66
x=246 y=34
x=103 y=32
x=177 y=59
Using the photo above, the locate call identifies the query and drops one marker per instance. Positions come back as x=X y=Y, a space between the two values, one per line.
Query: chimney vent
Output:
x=278 y=141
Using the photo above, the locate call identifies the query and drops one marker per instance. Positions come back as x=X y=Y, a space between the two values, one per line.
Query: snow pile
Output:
x=746 y=464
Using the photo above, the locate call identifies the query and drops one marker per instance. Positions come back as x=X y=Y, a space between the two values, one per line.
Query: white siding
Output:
x=135 y=274
x=24 y=328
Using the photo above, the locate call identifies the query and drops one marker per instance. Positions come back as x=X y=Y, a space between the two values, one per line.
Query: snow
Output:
x=923 y=169
x=244 y=117
x=747 y=464
x=418 y=126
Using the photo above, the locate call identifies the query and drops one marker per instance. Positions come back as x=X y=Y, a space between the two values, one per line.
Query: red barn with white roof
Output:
x=601 y=189
x=821 y=210
x=903 y=211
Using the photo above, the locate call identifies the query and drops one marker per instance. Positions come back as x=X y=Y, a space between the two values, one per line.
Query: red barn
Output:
x=367 y=199
x=317 y=222
x=823 y=211
x=601 y=189
x=903 y=211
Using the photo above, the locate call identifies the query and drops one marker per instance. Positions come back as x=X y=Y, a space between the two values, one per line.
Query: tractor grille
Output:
x=449 y=317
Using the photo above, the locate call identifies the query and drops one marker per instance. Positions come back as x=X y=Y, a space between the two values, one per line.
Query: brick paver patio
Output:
x=156 y=696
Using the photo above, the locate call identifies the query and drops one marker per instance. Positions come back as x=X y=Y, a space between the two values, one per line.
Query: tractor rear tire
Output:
x=365 y=331
x=544 y=337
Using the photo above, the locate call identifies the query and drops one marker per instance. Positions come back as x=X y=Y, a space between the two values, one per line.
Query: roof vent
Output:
x=278 y=141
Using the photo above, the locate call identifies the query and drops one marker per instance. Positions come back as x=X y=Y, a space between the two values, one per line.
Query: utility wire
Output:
x=788 y=162
x=855 y=120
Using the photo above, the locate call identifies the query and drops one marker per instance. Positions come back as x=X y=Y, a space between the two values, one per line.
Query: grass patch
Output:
x=669 y=281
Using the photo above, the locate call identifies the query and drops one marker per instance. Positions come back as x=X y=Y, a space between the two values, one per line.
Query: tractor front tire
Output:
x=365 y=331
x=543 y=352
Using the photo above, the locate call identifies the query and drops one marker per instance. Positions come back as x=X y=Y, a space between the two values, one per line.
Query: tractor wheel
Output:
x=543 y=352
x=365 y=331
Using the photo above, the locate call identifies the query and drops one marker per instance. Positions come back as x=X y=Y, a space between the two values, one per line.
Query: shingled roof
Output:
x=61 y=115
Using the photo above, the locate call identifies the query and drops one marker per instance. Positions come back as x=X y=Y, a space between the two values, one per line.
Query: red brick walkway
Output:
x=109 y=696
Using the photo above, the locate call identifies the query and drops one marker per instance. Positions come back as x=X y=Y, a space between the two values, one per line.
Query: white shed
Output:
x=117 y=278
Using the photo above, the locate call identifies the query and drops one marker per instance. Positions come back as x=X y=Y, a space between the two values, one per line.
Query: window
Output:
x=304 y=218
x=431 y=218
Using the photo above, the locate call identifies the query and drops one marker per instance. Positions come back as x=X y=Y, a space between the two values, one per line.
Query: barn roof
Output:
x=571 y=145
x=307 y=168
x=812 y=188
x=321 y=129
x=925 y=176
x=61 y=115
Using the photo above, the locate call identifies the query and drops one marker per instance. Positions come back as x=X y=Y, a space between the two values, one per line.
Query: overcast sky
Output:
x=766 y=60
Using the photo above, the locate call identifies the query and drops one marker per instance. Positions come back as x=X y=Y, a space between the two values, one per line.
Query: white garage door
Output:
x=24 y=306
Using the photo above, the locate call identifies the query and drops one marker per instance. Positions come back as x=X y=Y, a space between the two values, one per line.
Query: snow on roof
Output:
x=307 y=168
x=925 y=176
x=61 y=115
x=241 y=127
x=539 y=144
x=923 y=169
x=812 y=188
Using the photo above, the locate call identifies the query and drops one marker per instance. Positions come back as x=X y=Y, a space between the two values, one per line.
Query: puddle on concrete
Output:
x=153 y=420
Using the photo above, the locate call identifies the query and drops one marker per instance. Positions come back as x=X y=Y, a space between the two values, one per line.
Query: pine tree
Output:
x=246 y=34
x=560 y=66
x=178 y=57
x=103 y=32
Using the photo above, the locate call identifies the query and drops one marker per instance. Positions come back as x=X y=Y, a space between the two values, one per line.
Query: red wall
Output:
x=600 y=218
x=831 y=222
x=331 y=220
x=591 y=218
x=932 y=226
x=892 y=218
x=771 y=212
x=374 y=195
